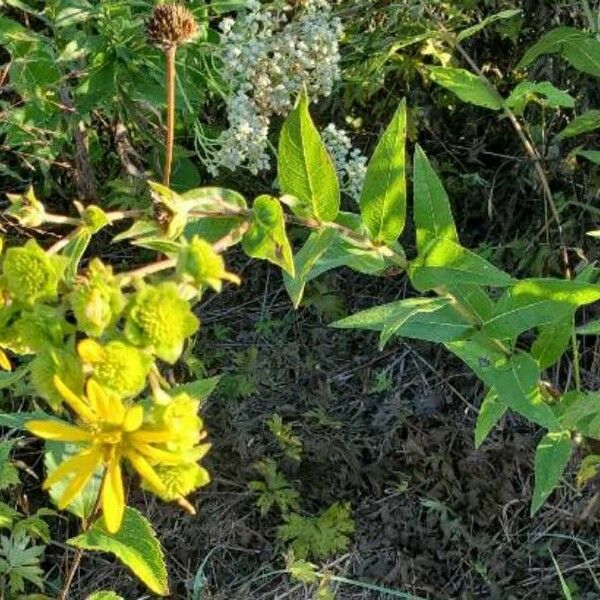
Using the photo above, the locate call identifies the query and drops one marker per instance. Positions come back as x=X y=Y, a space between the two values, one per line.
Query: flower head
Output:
x=51 y=363
x=30 y=275
x=170 y=25
x=109 y=432
x=96 y=299
x=26 y=208
x=200 y=264
x=160 y=320
x=117 y=366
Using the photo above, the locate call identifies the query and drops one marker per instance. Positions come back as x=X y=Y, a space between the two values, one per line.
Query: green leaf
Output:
x=213 y=199
x=135 y=545
x=266 y=237
x=467 y=86
x=305 y=169
x=591 y=155
x=74 y=252
x=17 y=420
x=517 y=385
x=442 y=325
x=446 y=263
x=200 y=389
x=590 y=328
x=551 y=459
x=538 y=302
x=433 y=215
x=475 y=299
x=104 y=595
x=574 y=45
x=383 y=197
x=552 y=342
x=503 y=14
x=543 y=93
x=306 y=258
x=584 y=123
x=491 y=411
x=83 y=505
x=411 y=307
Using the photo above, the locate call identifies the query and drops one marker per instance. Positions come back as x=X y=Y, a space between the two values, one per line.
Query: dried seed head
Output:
x=171 y=25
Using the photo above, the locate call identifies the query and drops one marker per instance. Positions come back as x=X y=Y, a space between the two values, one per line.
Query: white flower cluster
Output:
x=269 y=53
x=350 y=163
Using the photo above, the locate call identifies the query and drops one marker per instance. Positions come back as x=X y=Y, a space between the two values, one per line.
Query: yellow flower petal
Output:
x=113 y=497
x=134 y=417
x=159 y=436
x=76 y=463
x=58 y=431
x=160 y=456
x=79 y=481
x=74 y=401
x=146 y=472
x=109 y=407
x=4 y=362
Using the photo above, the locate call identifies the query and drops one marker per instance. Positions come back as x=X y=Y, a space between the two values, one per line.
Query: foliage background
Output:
x=389 y=432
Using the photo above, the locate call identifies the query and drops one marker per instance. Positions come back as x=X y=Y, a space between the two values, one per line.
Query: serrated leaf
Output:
x=135 y=545
x=503 y=14
x=588 y=469
x=538 y=302
x=467 y=86
x=383 y=197
x=305 y=169
x=551 y=459
x=492 y=409
x=551 y=42
x=584 y=123
x=266 y=237
x=446 y=263
x=432 y=212
x=306 y=258
x=517 y=385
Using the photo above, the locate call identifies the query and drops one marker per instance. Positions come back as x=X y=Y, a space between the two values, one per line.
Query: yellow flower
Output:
x=109 y=432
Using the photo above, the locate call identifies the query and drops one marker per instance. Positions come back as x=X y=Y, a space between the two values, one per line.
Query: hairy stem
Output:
x=170 y=134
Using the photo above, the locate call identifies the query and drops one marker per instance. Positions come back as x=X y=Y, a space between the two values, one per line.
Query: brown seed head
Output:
x=170 y=25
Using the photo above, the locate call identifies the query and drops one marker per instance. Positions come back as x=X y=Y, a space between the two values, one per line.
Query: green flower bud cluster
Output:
x=26 y=208
x=158 y=318
x=30 y=275
x=96 y=299
x=117 y=366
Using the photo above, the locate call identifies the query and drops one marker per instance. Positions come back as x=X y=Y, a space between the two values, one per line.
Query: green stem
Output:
x=589 y=14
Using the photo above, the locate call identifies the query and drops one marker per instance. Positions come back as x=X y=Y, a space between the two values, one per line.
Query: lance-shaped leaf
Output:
x=579 y=49
x=517 y=385
x=410 y=308
x=552 y=342
x=444 y=262
x=467 y=86
x=432 y=212
x=503 y=14
x=383 y=197
x=266 y=237
x=305 y=169
x=492 y=409
x=443 y=325
x=306 y=258
x=538 y=302
x=135 y=545
x=584 y=123
x=551 y=459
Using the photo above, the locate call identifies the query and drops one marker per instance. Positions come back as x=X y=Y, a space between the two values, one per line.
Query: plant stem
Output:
x=170 y=134
x=589 y=14
x=86 y=523
x=61 y=220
